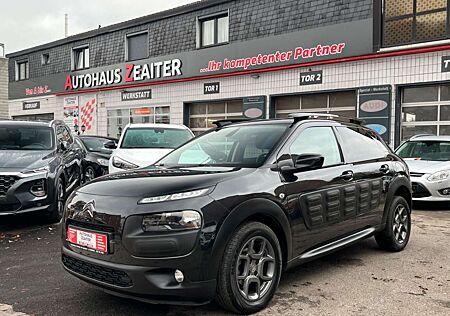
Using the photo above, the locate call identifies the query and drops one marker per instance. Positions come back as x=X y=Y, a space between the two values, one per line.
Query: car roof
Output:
x=430 y=138
x=24 y=123
x=96 y=136
x=151 y=125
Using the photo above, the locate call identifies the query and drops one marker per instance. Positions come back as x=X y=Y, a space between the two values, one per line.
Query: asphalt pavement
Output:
x=359 y=280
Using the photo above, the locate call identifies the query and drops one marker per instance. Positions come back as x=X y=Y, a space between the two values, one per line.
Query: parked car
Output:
x=39 y=166
x=141 y=145
x=96 y=156
x=428 y=159
x=261 y=197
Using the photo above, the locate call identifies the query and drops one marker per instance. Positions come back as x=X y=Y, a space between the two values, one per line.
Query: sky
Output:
x=28 y=23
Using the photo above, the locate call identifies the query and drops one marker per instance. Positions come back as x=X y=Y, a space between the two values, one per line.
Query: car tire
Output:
x=250 y=270
x=395 y=235
x=57 y=208
x=88 y=174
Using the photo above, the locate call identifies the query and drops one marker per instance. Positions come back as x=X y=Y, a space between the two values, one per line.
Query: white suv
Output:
x=141 y=145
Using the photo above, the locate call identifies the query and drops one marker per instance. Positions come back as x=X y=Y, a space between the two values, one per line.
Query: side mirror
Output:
x=110 y=144
x=304 y=162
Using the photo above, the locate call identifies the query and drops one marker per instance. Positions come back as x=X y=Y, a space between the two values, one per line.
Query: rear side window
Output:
x=360 y=144
x=317 y=140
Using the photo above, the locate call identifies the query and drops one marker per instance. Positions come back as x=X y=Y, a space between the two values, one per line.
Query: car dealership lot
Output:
x=358 y=280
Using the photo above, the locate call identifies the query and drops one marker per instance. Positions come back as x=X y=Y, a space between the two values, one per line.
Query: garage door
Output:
x=425 y=110
x=202 y=115
x=341 y=103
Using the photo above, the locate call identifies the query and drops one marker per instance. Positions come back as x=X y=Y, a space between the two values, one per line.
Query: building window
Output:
x=45 y=59
x=80 y=56
x=414 y=21
x=137 y=46
x=425 y=110
x=203 y=115
x=341 y=103
x=117 y=119
x=22 y=70
x=214 y=30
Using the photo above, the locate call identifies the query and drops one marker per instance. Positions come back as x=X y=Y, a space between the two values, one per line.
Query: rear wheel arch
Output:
x=258 y=210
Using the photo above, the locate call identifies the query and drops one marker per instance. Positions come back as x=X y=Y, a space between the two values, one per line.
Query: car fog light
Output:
x=446 y=191
x=179 y=276
x=38 y=188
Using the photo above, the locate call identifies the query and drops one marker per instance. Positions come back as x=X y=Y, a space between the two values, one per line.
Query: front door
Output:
x=316 y=198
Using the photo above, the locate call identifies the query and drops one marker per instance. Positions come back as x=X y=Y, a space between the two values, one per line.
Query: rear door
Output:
x=315 y=198
x=372 y=170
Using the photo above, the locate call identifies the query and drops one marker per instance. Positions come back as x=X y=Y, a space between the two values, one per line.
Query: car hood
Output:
x=96 y=155
x=157 y=181
x=19 y=160
x=141 y=157
x=426 y=166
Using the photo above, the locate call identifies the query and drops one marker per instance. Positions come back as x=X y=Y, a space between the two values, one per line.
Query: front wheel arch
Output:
x=259 y=210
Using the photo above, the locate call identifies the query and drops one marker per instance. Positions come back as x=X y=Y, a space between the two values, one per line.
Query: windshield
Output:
x=26 y=138
x=236 y=146
x=425 y=150
x=96 y=144
x=155 y=138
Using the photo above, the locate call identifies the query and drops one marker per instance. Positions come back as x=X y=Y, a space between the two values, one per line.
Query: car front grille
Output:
x=6 y=182
x=96 y=272
x=419 y=191
x=90 y=226
x=416 y=174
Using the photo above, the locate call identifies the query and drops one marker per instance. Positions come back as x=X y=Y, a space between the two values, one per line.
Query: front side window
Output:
x=319 y=141
x=26 y=138
x=425 y=150
x=234 y=146
x=137 y=46
x=22 y=70
x=154 y=138
x=81 y=58
x=360 y=144
x=414 y=21
x=96 y=144
x=214 y=30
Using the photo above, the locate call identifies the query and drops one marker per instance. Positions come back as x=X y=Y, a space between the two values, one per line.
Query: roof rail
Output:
x=225 y=122
x=420 y=135
x=301 y=116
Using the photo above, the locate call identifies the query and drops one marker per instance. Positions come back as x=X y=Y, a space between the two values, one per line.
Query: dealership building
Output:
x=387 y=62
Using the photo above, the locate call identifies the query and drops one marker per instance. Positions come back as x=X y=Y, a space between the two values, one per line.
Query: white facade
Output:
x=400 y=70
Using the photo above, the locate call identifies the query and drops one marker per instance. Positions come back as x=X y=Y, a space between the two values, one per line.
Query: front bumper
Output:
x=153 y=283
x=18 y=198
x=424 y=190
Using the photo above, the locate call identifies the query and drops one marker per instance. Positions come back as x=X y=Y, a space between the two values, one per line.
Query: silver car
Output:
x=428 y=159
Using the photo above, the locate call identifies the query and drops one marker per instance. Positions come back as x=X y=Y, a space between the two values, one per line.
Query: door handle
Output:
x=347 y=175
x=384 y=169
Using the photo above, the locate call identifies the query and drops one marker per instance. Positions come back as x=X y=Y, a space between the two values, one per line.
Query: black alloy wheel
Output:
x=397 y=231
x=250 y=269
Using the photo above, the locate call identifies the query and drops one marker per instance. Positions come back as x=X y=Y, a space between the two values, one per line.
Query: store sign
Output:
x=31 y=105
x=445 y=64
x=311 y=77
x=211 y=88
x=254 y=107
x=294 y=49
x=137 y=95
x=375 y=108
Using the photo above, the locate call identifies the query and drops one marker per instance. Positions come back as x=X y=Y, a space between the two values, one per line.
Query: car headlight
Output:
x=123 y=164
x=103 y=162
x=439 y=176
x=172 y=221
x=173 y=197
x=34 y=172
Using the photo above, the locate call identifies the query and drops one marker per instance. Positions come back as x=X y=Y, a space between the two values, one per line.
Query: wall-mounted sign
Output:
x=137 y=95
x=445 y=64
x=375 y=108
x=311 y=77
x=254 y=107
x=211 y=88
x=31 y=105
x=71 y=112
